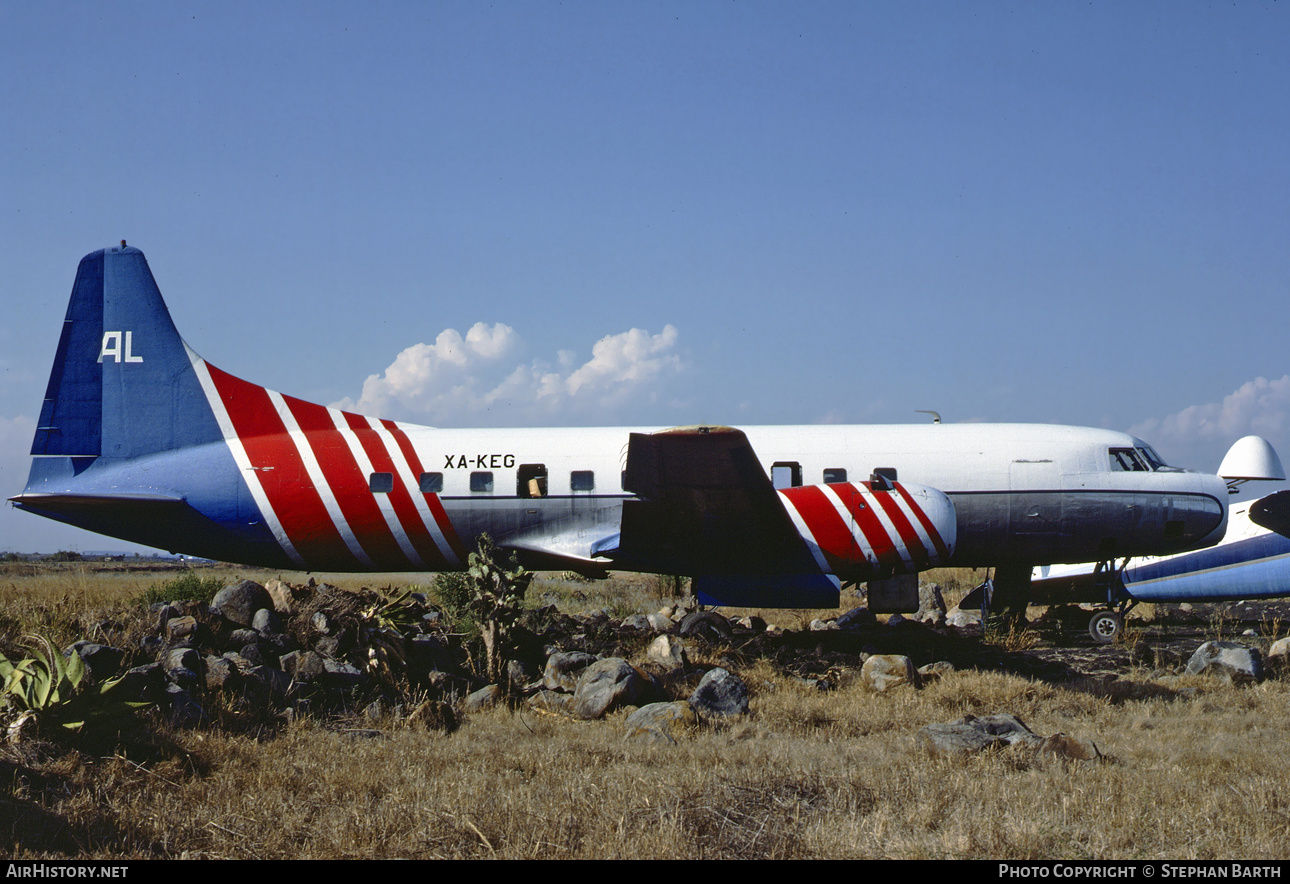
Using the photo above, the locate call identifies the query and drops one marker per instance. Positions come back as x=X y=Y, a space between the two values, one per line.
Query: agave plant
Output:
x=49 y=693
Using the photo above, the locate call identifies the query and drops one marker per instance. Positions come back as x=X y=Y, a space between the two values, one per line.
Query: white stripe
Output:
x=849 y=518
x=298 y=438
x=807 y=534
x=887 y=525
x=382 y=500
x=235 y=447
x=911 y=512
x=413 y=485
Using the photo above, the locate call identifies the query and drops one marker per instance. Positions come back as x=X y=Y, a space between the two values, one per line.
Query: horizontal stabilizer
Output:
x=162 y=521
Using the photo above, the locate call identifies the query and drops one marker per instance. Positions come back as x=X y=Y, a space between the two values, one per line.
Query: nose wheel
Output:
x=1105 y=626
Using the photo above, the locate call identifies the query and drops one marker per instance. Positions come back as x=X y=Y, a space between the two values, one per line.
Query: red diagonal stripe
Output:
x=828 y=529
x=859 y=504
x=908 y=536
x=432 y=500
x=297 y=504
x=348 y=484
x=942 y=550
x=400 y=498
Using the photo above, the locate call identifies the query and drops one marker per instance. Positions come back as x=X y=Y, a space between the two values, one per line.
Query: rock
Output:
x=284 y=600
x=183 y=658
x=564 y=668
x=857 y=618
x=434 y=715
x=184 y=710
x=342 y=675
x=638 y=622
x=818 y=625
x=662 y=722
x=303 y=666
x=103 y=661
x=972 y=734
x=239 y=601
x=266 y=621
x=605 y=685
x=882 y=672
x=931 y=605
x=177 y=629
x=221 y=674
x=145 y=683
x=934 y=671
x=520 y=674
x=430 y=653
x=660 y=622
x=552 y=701
x=484 y=698
x=1278 y=660
x=968 y=621
x=720 y=692
x=1232 y=661
x=243 y=636
x=266 y=685
x=667 y=650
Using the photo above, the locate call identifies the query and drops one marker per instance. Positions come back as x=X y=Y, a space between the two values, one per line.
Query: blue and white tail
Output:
x=142 y=439
x=127 y=443
x=123 y=383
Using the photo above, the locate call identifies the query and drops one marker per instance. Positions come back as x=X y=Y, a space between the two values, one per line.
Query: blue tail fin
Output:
x=122 y=383
x=128 y=444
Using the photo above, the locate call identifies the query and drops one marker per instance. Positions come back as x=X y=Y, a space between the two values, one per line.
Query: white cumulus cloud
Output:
x=477 y=378
x=1201 y=433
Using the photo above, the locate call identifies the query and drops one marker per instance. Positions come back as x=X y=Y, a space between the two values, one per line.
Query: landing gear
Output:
x=1105 y=626
x=1009 y=596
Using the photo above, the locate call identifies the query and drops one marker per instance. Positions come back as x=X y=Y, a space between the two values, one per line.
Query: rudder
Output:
x=122 y=384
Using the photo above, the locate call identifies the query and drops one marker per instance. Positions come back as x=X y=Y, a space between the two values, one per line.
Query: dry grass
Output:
x=1192 y=774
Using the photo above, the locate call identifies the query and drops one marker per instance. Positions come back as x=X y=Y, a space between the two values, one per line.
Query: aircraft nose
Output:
x=1211 y=509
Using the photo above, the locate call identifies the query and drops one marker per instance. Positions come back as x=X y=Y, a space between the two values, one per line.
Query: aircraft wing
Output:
x=706 y=506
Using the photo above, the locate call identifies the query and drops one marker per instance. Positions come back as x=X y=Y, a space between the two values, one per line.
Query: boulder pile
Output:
x=258 y=654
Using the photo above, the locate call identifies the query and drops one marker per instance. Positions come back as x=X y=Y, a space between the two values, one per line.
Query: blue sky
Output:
x=669 y=213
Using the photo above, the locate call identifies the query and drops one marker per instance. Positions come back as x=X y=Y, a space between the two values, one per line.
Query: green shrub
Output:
x=188 y=586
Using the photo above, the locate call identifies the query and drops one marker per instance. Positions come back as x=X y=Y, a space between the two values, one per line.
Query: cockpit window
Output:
x=1129 y=460
x=1152 y=458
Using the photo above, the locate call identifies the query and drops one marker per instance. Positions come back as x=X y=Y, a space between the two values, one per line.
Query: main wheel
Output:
x=1105 y=626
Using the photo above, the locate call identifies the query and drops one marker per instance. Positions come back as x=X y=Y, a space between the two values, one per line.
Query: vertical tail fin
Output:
x=122 y=383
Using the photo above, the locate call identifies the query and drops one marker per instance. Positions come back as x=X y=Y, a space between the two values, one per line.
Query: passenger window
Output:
x=834 y=475
x=380 y=483
x=582 y=480
x=882 y=478
x=481 y=483
x=786 y=474
x=430 y=483
x=530 y=480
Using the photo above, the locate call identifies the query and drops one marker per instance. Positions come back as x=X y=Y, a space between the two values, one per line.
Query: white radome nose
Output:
x=1252 y=458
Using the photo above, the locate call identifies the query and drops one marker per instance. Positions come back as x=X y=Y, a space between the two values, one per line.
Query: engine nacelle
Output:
x=864 y=531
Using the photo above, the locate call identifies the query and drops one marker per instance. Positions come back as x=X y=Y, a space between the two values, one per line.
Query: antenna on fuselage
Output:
x=936 y=415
